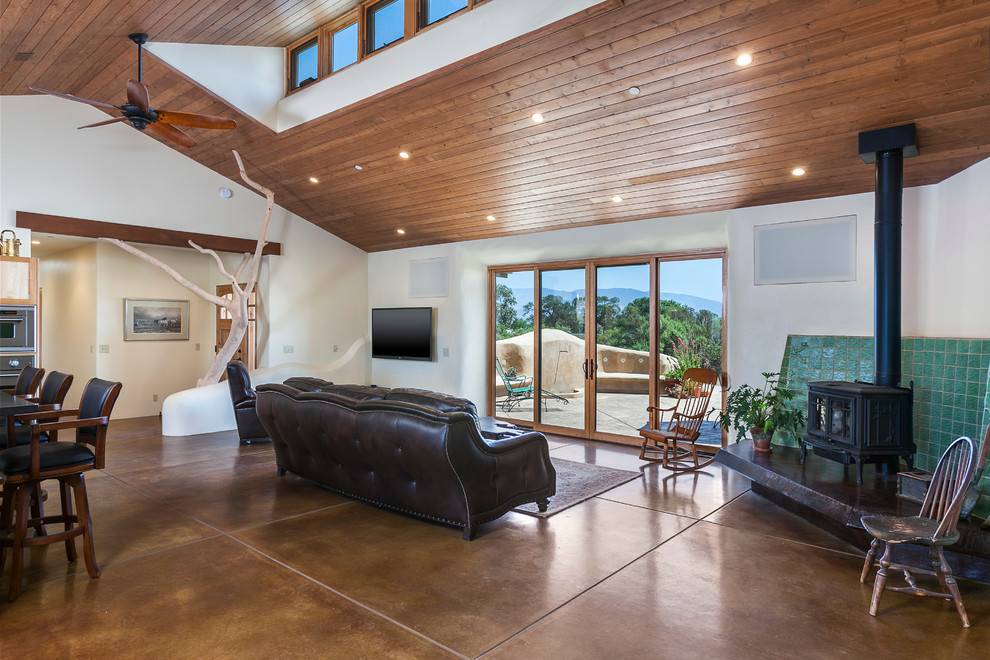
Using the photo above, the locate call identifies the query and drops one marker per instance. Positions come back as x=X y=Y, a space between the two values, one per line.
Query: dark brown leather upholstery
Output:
x=249 y=428
x=404 y=456
x=435 y=400
x=308 y=383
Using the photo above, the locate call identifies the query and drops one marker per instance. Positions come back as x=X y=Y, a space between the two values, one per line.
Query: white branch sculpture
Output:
x=237 y=304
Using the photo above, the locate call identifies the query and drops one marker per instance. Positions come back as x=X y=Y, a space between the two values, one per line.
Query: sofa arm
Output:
x=503 y=445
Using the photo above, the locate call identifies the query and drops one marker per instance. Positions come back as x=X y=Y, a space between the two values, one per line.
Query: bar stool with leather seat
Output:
x=27 y=382
x=27 y=465
x=934 y=527
x=51 y=397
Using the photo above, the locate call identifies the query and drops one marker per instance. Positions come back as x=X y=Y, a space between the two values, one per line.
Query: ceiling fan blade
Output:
x=74 y=98
x=173 y=134
x=137 y=95
x=195 y=120
x=104 y=123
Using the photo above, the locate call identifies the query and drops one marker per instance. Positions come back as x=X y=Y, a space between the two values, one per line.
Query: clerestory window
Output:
x=386 y=24
x=304 y=64
x=437 y=10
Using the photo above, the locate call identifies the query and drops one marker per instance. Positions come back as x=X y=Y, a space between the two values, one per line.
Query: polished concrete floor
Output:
x=207 y=553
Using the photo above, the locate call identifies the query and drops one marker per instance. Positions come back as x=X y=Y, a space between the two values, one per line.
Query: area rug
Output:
x=577 y=482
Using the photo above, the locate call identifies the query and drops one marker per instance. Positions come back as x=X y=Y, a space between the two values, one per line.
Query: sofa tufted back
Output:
x=435 y=400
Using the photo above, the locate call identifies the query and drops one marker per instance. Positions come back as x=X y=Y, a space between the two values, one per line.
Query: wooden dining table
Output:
x=12 y=405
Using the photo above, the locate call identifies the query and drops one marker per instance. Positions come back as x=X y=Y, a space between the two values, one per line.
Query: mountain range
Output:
x=625 y=296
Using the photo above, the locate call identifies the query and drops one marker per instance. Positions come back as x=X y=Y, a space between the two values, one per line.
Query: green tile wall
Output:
x=951 y=385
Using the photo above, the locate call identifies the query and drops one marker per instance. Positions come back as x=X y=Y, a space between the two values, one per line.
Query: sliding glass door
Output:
x=650 y=317
x=622 y=351
x=514 y=361
x=564 y=362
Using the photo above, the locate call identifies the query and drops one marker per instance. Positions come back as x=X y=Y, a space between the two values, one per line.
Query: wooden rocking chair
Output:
x=674 y=444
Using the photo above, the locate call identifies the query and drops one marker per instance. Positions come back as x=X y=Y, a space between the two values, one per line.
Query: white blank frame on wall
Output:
x=428 y=278
x=805 y=251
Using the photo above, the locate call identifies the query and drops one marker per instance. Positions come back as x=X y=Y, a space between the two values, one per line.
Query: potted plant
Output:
x=761 y=412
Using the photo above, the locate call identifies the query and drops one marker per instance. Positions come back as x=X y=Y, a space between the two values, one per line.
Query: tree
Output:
x=555 y=312
x=505 y=310
x=236 y=305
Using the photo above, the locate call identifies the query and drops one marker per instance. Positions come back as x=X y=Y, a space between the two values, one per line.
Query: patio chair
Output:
x=674 y=444
x=934 y=526
x=517 y=388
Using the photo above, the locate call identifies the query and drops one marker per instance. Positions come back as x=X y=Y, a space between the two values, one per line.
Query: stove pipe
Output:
x=887 y=148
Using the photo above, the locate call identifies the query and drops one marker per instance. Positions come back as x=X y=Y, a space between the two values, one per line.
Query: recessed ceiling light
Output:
x=400 y=231
x=225 y=193
x=798 y=171
x=358 y=167
x=35 y=242
x=744 y=59
x=616 y=199
x=537 y=117
x=313 y=179
x=403 y=154
x=491 y=217
x=634 y=90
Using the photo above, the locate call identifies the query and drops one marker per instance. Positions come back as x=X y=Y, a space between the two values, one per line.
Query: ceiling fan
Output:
x=141 y=115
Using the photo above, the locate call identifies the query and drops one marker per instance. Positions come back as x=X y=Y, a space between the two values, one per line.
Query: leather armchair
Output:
x=249 y=427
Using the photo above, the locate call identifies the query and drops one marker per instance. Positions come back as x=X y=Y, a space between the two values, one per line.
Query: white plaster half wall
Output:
x=209 y=409
x=460 y=37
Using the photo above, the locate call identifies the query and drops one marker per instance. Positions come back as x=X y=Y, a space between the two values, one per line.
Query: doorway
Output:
x=247 y=349
x=588 y=366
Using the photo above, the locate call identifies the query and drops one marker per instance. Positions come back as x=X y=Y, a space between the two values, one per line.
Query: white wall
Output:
x=945 y=271
x=950 y=254
x=68 y=325
x=462 y=315
x=147 y=368
x=759 y=318
x=311 y=297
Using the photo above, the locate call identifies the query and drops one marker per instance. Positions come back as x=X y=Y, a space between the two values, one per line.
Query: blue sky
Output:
x=695 y=277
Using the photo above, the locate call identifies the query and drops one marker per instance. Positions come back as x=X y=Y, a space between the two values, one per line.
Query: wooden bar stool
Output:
x=25 y=466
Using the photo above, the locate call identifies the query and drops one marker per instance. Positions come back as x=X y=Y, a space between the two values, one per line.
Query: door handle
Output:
x=585 y=367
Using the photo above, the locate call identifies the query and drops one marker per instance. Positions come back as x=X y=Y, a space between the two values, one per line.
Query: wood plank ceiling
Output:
x=703 y=134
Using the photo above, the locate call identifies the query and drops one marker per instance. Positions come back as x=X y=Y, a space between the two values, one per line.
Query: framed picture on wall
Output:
x=155 y=320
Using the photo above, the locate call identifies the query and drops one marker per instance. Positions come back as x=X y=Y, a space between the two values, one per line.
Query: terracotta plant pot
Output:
x=761 y=441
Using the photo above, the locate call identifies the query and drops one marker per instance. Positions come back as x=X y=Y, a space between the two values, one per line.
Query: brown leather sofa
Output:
x=413 y=451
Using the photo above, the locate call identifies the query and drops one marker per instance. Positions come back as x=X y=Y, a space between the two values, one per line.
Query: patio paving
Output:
x=619 y=413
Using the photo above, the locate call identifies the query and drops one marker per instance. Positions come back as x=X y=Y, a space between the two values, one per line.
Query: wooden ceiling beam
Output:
x=57 y=224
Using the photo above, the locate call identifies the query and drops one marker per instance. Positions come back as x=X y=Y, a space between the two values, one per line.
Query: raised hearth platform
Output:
x=825 y=493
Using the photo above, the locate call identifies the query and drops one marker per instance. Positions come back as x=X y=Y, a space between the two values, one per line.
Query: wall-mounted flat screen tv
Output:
x=402 y=333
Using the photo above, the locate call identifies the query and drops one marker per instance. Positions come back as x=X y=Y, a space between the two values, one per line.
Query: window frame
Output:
x=421 y=23
x=330 y=29
x=367 y=8
x=290 y=61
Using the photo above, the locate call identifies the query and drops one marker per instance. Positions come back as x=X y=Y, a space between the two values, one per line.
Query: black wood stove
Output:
x=861 y=423
x=871 y=422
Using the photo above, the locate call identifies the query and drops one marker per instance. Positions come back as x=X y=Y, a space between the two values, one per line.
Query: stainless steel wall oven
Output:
x=17 y=329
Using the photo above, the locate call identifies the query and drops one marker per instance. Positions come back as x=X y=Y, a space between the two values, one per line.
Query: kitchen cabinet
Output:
x=18 y=280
